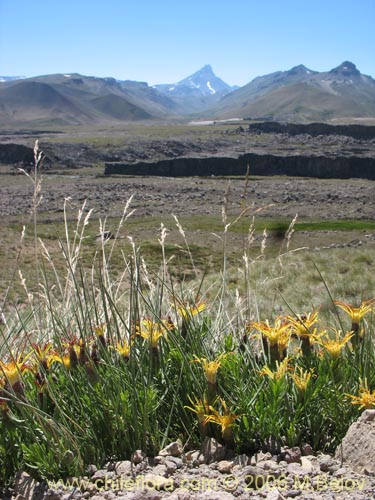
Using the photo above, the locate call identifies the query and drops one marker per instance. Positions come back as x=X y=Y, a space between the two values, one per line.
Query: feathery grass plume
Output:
x=183 y=234
x=264 y=243
x=290 y=231
x=36 y=180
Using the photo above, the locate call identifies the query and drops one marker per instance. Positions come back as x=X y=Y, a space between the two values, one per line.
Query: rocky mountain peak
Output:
x=204 y=82
x=300 y=70
x=200 y=77
x=205 y=70
x=346 y=68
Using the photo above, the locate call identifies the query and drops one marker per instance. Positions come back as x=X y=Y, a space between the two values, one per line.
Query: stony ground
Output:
x=282 y=197
x=88 y=147
x=210 y=474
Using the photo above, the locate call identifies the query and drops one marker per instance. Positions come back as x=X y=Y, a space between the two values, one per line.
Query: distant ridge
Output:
x=299 y=95
x=303 y=95
x=10 y=78
x=77 y=99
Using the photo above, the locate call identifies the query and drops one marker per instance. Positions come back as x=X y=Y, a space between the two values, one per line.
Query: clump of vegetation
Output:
x=97 y=365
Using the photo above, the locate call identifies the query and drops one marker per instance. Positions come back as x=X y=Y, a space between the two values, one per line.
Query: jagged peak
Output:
x=300 y=69
x=346 y=68
x=206 y=67
x=205 y=70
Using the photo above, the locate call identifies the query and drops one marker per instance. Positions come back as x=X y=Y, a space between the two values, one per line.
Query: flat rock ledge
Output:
x=213 y=475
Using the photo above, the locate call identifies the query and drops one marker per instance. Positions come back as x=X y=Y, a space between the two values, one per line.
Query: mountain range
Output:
x=303 y=95
x=297 y=95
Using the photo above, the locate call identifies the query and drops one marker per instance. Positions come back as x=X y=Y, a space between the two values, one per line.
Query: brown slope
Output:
x=59 y=99
x=37 y=101
x=117 y=107
x=302 y=102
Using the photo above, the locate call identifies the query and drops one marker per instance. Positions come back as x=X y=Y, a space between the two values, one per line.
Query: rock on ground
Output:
x=358 y=446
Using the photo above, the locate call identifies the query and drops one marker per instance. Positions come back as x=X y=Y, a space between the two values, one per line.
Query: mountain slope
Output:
x=119 y=108
x=77 y=99
x=301 y=94
x=196 y=92
x=33 y=100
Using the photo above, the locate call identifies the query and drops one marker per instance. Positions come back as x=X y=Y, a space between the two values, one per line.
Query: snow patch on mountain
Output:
x=213 y=91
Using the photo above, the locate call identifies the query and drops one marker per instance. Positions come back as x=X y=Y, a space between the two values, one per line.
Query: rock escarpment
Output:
x=324 y=167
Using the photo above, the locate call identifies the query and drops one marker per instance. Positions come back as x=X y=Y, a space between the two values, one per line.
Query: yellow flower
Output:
x=13 y=370
x=77 y=352
x=277 y=335
x=152 y=331
x=100 y=332
x=283 y=340
x=66 y=359
x=365 y=398
x=210 y=368
x=224 y=418
x=201 y=408
x=334 y=346
x=356 y=313
x=123 y=349
x=281 y=370
x=46 y=355
x=3 y=400
x=315 y=336
x=100 y=329
x=301 y=324
x=187 y=312
x=301 y=378
x=3 y=405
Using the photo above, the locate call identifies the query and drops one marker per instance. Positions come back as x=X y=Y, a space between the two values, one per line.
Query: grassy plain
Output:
x=342 y=249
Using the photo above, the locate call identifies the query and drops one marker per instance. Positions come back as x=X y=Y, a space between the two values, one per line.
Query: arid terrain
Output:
x=331 y=212
x=74 y=167
x=280 y=198
x=93 y=146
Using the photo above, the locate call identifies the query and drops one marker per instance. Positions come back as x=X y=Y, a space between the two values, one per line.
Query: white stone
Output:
x=225 y=466
x=174 y=449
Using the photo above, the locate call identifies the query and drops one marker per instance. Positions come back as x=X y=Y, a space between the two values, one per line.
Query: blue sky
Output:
x=163 y=41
